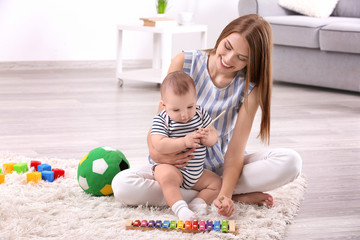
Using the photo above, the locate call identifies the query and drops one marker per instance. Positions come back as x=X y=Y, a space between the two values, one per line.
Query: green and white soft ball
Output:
x=98 y=168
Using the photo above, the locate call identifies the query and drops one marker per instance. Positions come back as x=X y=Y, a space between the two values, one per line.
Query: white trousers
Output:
x=263 y=171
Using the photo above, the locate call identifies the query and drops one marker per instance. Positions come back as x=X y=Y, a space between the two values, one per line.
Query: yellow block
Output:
x=2 y=178
x=33 y=177
x=9 y=167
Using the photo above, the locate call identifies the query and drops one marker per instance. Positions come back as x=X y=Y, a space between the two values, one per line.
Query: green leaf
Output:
x=161 y=6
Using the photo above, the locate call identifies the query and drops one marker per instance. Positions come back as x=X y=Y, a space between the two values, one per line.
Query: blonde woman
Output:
x=234 y=76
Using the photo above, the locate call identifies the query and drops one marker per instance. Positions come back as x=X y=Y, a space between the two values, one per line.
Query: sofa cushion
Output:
x=347 y=8
x=298 y=30
x=318 y=8
x=341 y=37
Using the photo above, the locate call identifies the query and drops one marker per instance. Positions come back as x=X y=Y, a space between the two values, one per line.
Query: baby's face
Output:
x=180 y=108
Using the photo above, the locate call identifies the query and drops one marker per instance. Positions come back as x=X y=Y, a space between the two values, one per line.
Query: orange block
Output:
x=2 y=178
x=33 y=177
x=9 y=167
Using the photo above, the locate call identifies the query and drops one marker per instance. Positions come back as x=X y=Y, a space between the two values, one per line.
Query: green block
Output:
x=21 y=167
x=0 y=169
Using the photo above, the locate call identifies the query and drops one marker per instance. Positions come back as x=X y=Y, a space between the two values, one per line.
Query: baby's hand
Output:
x=192 y=140
x=204 y=133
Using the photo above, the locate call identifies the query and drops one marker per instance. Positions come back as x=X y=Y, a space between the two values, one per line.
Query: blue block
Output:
x=47 y=176
x=44 y=167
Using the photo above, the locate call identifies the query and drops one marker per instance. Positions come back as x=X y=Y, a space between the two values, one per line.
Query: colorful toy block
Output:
x=136 y=223
x=166 y=224
x=144 y=223
x=217 y=225
x=180 y=224
x=43 y=167
x=33 y=177
x=158 y=223
x=172 y=224
x=209 y=225
x=195 y=225
x=2 y=178
x=58 y=173
x=21 y=167
x=47 y=175
x=9 y=167
x=151 y=223
x=34 y=164
x=0 y=169
x=224 y=225
x=202 y=225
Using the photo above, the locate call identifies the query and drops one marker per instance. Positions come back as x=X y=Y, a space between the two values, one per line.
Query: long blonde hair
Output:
x=258 y=35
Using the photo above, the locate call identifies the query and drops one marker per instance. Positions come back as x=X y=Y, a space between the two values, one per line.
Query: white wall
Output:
x=80 y=30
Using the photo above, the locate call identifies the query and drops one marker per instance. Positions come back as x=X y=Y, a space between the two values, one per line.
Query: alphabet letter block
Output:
x=33 y=177
x=9 y=167
x=21 y=167
x=47 y=175
x=58 y=173
x=34 y=164
x=44 y=167
x=2 y=178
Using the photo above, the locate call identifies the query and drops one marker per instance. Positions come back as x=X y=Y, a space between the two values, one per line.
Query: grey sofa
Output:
x=314 y=51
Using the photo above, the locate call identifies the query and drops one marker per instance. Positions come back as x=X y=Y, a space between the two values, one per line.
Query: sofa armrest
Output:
x=262 y=7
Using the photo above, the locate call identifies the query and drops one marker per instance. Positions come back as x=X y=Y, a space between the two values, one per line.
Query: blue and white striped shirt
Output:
x=215 y=100
x=164 y=125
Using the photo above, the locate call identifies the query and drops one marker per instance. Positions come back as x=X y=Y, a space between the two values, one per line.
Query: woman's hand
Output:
x=179 y=160
x=225 y=205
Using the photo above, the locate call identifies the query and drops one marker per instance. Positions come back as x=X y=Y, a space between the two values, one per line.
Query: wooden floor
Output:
x=66 y=113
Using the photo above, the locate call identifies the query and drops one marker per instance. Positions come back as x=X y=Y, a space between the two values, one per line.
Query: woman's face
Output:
x=232 y=53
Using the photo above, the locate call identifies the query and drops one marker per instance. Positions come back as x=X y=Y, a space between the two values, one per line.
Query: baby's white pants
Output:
x=263 y=171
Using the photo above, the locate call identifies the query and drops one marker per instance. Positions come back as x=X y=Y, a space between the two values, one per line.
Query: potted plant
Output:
x=161 y=6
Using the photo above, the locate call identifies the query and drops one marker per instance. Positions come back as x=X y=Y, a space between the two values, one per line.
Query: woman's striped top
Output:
x=215 y=100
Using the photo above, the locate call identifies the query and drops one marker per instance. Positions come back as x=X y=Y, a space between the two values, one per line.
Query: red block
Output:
x=34 y=164
x=58 y=173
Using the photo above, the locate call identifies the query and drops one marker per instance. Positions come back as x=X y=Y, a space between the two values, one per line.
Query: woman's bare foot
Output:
x=259 y=198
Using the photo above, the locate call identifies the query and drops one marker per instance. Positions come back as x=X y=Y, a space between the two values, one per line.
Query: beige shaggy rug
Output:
x=62 y=210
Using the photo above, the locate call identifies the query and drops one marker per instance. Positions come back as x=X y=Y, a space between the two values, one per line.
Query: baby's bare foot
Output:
x=259 y=198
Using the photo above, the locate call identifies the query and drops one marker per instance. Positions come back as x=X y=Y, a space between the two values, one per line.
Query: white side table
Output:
x=162 y=46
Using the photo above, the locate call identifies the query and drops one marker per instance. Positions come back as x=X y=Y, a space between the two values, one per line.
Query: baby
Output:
x=183 y=125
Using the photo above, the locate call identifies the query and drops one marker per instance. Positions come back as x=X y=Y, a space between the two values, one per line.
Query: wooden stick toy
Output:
x=214 y=120
x=194 y=226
